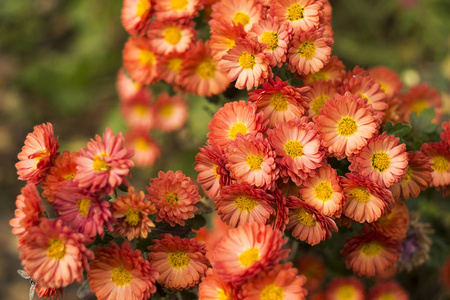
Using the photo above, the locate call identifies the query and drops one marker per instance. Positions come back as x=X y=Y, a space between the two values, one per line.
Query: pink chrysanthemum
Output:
x=393 y=224
x=174 y=196
x=136 y=15
x=383 y=161
x=281 y=282
x=348 y=288
x=103 y=165
x=247 y=250
x=121 y=273
x=333 y=71
x=319 y=93
x=346 y=124
x=233 y=118
x=128 y=89
x=53 y=255
x=323 y=191
x=170 y=112
x=38 y=153
x=388 y=290
x=168 y=36
x=439 y=157
x=237 y=12
x=370 y=253
x=301 y=14
x=279 y=101
x=146 y=149
x=169 y=67
x=420 y=97
x=175 y=10
x=140 y=60
x=213 y=288
x=138 y=113
x=252 y=160
x=181 y=263
x=223 y=36
x=390 y=82
x=307 y=223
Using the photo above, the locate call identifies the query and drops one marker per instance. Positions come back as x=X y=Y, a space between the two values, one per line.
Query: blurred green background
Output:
x=59 y=60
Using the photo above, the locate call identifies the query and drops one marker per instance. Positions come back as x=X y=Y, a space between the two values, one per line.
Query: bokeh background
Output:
x=58 y=64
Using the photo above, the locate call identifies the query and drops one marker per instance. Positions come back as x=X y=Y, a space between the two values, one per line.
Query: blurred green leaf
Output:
x=398 y=129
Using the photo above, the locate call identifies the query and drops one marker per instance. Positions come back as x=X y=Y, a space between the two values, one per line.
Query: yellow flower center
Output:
x=214 y=170
x=387 y=296
x=172 y=198
x=140 y=110
x=307 y=50
x=319 y=76
x=418 y=106
x=146 y=58
x=207 y=69
x=241 y=18
x=272 y=292
x=440 y=164
x=56 y=249
x=247 y=61
x=132 y=217
x=237 y=128
x=323 y=191
x=347 y=126
x=295 y=12
x=99 y=164
x=248 y=257
x=383 y=86
x=120 y=276
x=409 y=173
x=371 y=249
x=254 y=162
x=293 y=149
x=69 y=176
x=271 y=39
x=278 y=102
x=380 y=161
x=167 y=110
x=83 y=206
x=143 y=7
x=175 y=64
x=39 y=156
x=305 y=218
x=360 y=195
x=179 y=4
x=346 y=292
x=179 y=260
x=222 y=295
x=141 y=144
x=230 y=43
x=245 y=203
x=318 y=103
x=172 y=35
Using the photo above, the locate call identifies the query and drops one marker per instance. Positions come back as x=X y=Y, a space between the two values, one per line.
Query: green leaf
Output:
x=398 y=129
x=423 y=123
x=197 y=222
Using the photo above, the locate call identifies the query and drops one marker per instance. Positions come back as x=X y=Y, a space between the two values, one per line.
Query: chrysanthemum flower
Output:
x=320 y=92
x=247 y=63
x=212 y=236
x=383 y=161
x=136 y=15
x=418 y=177
x=169 y=67
x=388 y=290
x=200 y=74
x=175 y=10
x=323 y=191
x=390 y=82
x=313 y=269
x=301 y=14
x=309 y=52
x=297 y=145
x=140 y=60
x=48 y=293
x=237 y=12
x=420 y=97
x=28 y=213
x=104 y=164
x=223 y=36
x=174 y=196
x=280 y=101
x=308 y=224
x=346 y=124
x=168 y=36
x=146 y=149
x=247 y=250
x=233 y=118
x=37 y=155
x=276 y=35
x=370 y=253
x=281 y=282
x=439 y=157
x=170 y=112
x=345 y=288
x=445 y=273
x=252 y=160
x=357 y=72
x=239 y=204
x=332 y=71
x=121 y=273
x=365 y=201
x=213 y=288
x=138 y=113
x=54 y=255
x=393 y=224
x=181 y=263
x=128 y=89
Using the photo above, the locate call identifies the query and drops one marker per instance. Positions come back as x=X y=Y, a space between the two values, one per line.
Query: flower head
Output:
x=394 y=223
x=146 y=149
x=439 y=157
x=170 y=112
x=320 y=91
x=175 y=10
x=332 y=71
x=138 y=113
x=312 y=267
x=345 y=288
x=139 y=59
x=301 y=14
x=223 y=36
x=388 y=290
x=128 y=89
x=136 y=15
x=171 y=36
x=169 y=67
x=235 y=12
x=213 y=288
x=420 y=97
x=390 y=82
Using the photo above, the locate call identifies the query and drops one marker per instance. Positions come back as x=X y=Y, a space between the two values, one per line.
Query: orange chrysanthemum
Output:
x=175 y=10
x=146 y=149
x=420 y=97
x=319 y=93
x=213 y=288
x=140 y=60
x=138 y=113
x=136 y=15
x=390 y=82
x=128 y=89
x=236 y=12
x=169 y=67
x=223 y=36
x=439 y=157
x=333 y=71
x=345 y=288
x=301 y=14
x=170 y=112
x=393 y=224
x=388 y=290
x=171 y=36
x=312 y=267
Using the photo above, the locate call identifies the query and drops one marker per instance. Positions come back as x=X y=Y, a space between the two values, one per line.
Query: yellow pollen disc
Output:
x=99 y=164
x=254 y=162
x=293 y=149
x=140 y=110
x=222 y=295
x=371 y=249
x=83 y=206
x=172 y=35
x=137 y=86
x=346 y=292
x=305 y=218
x=132 y=218
x=143 y=7
x=317 y=103
x=418 y=106
x=295 y=12
x=347 y=126
x=229 y=43
x=245 y=203
x=237 y=128
x=319 y=76
x=380 y=161
x=383 y=86
x=409 y=173
x=146 y=58
x=247 y=61
x=248 y=257
x=39 y=157
x=172 y=198
x=387 y=296
x=179 y=4
x=141 y=144
x=278 y=102
x=56 y=249
x=179 y=260
x=241 y=18
x=323 y=191
x=360 y=195
x=207 y=69
x=69 y=176
x=214 y=170
x=167 y=110
x=272 y=292
x=364 y=97
x=120 y=276
x=440 y=164
x=271 y=39
x=307 y=50
x=175 y=64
